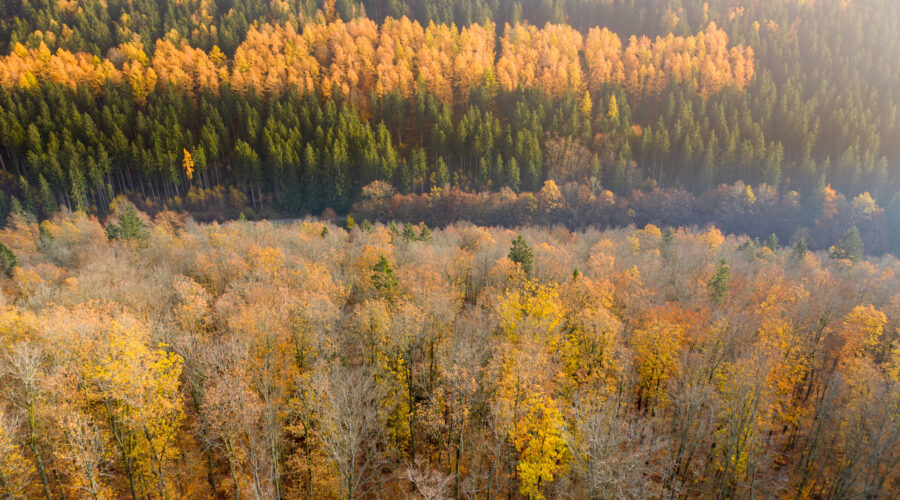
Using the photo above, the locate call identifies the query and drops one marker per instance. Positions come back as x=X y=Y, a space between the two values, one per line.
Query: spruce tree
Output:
x=800 y=249
x=49 y=205
x=718 y=284
x=425 y=234
x=130 y=227
x=441 y=175
x=521 y=254
x=409 y=234
x=850 y=247
x=668 y=243
x=772 y=243
x=383 y=278
x=28 y=203
x=8 y=260
x=512 y=174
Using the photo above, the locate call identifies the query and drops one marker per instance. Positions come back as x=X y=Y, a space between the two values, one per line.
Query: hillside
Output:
x=288 y=108
x=308 y=361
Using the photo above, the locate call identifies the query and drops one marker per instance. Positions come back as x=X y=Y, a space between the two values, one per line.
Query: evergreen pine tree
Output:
x=425 y=234
x=483 y=173
x=521 y=254
x=718 y=284
x=668 y=243
x=49 y=206
x=800 y=249
x=441 y=174
x=772 y=243
x=8 y=260
x=850 y=247
x=79 y=188
x=16 y=208
x=28 y=204
x=383 y=278
x=512 y=174
x=130 y=227
x=409 y=234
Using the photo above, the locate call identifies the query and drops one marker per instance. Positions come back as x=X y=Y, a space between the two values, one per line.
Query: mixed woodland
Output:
x=284 y=108
x=169 y=359
x=518 y=249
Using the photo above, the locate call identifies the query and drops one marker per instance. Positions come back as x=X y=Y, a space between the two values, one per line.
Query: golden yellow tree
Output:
x=603 y=54
x=538 y=437
x=657 y=344
x=186 y=68
x=139 y=388
x=475 y=60
x=273 y=59
x=434 y=60
x=399 y=42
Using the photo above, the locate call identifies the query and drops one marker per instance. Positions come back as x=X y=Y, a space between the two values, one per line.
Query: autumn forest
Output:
x=468 y=249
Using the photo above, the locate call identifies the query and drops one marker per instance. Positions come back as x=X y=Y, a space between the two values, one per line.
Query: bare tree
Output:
x=15 y=471
x=346 y=401
x=86 y=452
x=235 y=415
x=612 y=452
x=427 y=483
x=25 y=391
x=691 y=426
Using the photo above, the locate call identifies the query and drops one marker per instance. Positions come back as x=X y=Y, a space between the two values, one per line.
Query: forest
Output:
x=468 y=249
x=162 y=358
x=286 y=108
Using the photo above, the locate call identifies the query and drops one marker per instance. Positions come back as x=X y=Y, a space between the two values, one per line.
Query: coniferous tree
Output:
x=27 y=203
x=409 y=233
x=130 y=227
x=49 y=206
x=800 y=249
x=425 y=234
x=441 y=175
x=8 y=260
x=772 y=243
x=521 y=254
x=850 y=247
x=383 y=278
x=718 y=283
x=512 y=174
x=668 y=243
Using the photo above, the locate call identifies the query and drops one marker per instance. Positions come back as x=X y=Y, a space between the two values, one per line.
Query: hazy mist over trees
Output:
x=434 y=249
